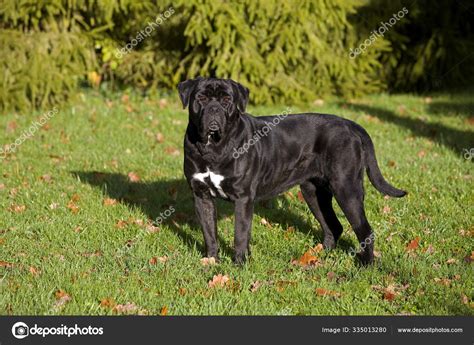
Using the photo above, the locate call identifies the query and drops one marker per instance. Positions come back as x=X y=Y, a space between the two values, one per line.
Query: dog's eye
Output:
x=202 y=98
x=226 y=99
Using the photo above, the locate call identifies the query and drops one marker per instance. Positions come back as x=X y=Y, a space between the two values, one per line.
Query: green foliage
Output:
x=284 y=51
x=431 y=47
x=40 y=69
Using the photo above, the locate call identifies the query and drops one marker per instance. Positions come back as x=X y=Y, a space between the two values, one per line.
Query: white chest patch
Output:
x=216 y=180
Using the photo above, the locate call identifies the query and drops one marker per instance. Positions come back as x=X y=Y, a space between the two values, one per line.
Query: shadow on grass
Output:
x=452 y=138
x=153 y=198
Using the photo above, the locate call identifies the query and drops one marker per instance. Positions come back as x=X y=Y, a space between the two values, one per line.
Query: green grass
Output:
x=89 y=148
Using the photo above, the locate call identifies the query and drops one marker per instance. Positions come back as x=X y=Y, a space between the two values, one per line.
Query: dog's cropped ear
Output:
x=242 y=95
x=185 y=88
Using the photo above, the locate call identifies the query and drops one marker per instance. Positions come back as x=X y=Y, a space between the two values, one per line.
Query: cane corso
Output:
x=235 y=156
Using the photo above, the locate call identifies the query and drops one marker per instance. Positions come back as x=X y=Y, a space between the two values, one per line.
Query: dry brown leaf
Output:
x=62 y=297
x=386 y=209
x=219 y=281
x=164 y=311
x=255 y=285
x=160 y=138
x=300 y=196
x=172 y=151
x=46 y=178
x=324 y=292
x=6 y=264
x=133 y=177
x=153 y=260
x=309 y=258
x=421 y=154
x=17 y=208
x=34 y=271
x=413 y=245
x=110 y=202
x=451 y=261
x=208 y=261
x=265 y=222
x=127 y=308
x=121 y=224
x=108 y=303
x=73 y=207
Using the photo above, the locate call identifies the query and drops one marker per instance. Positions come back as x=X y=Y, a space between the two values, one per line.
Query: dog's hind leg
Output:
x=319 y=200
x=350 y=196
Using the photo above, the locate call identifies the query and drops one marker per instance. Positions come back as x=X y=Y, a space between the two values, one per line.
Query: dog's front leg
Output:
x=207 y=216
x=243 y=225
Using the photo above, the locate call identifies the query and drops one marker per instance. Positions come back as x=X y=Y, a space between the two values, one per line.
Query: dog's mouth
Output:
x=213 y=134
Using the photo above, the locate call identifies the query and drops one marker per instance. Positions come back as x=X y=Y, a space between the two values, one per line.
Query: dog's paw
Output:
x=365 y=258
x=240 y=258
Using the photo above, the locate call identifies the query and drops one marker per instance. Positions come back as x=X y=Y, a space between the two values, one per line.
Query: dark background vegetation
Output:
x=290 y=51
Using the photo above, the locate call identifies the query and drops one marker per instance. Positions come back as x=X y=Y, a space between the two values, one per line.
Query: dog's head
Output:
x=214 y=105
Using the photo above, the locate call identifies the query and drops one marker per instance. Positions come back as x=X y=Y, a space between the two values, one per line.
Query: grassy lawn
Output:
x=78 y=198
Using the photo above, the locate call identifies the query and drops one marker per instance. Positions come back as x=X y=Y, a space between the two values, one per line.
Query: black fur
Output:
x=326 y=155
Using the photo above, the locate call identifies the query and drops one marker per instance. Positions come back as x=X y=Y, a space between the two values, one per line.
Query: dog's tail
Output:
x=373 y=171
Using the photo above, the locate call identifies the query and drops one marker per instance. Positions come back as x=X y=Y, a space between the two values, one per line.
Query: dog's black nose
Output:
x=213 y=126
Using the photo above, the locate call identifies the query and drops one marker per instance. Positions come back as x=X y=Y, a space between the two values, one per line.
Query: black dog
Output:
x=232 y=155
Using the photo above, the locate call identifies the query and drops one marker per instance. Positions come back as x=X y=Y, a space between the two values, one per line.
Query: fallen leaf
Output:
x=34 y=271
x=153 y=260
x=389 y=295
x=309 y=257
x=152 y=228
x=300 y=196
x=429 y=249
x=160 y=138
x=255 y=285
x=121 y=224
x=62 y=297
x=107 y=303
x=127 y=308
x=17 y=208
x=110 y=202
x=443 y=281
x=73 y=207
x=464 y=299
x=53 y=206
x=46 y=178
x=451 y=261
x=133 y=177
x=265 y=222
x=324 y=292
x=421 y=154
x=163 y=102
x=75 y=197
x=208 y=261
x=5 y=264
x=172 y=151
x=218 y=281
x=386 y=209
x=164 y=311
x=413 y=245
x=163 y=259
